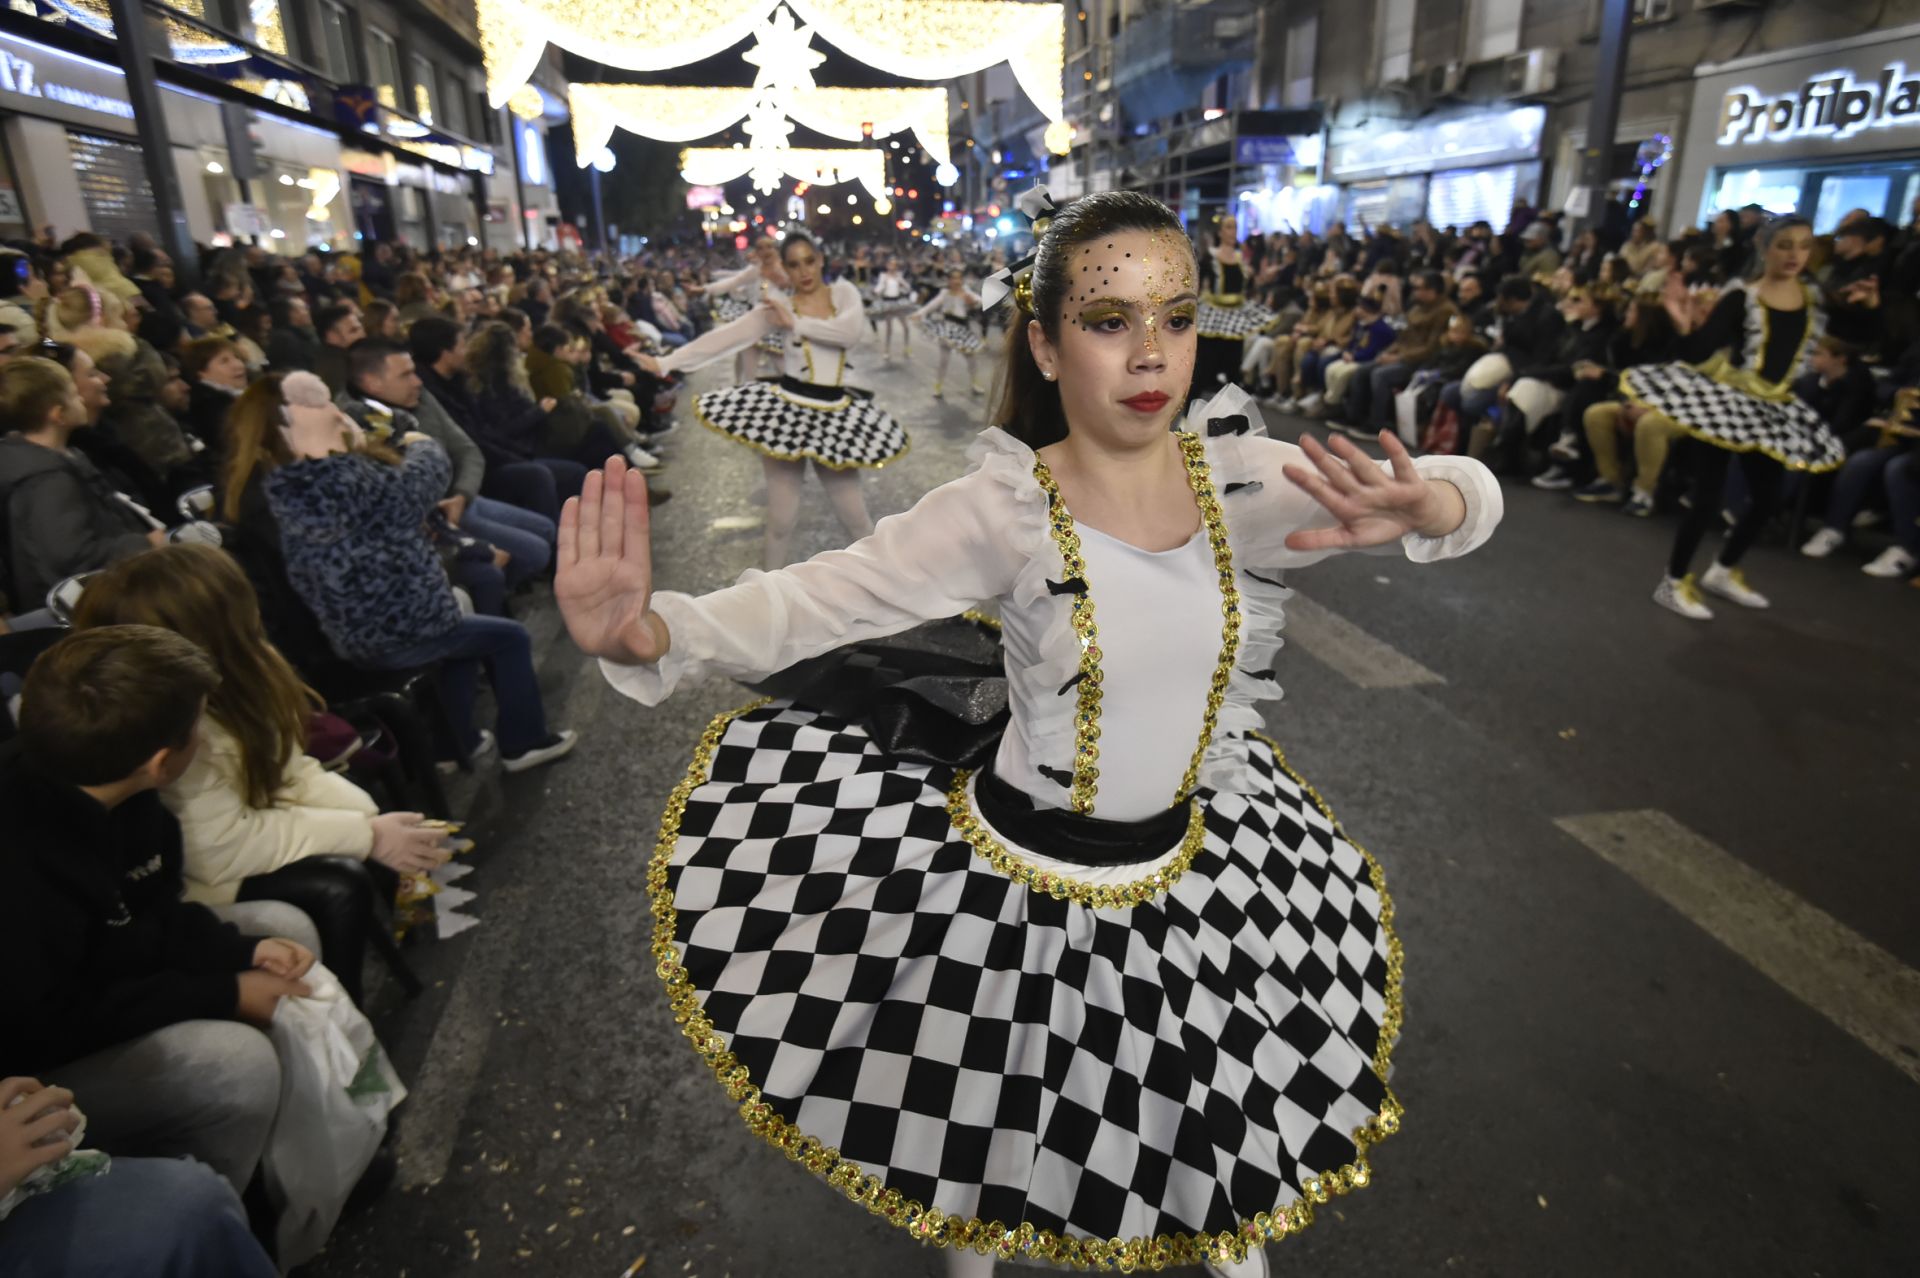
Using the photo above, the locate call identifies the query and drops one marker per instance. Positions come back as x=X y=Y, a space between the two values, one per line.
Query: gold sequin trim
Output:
x=1086 y=711
x=997 y=1238
x=1121 y=896
x=1200 y=478
x=1086 y=718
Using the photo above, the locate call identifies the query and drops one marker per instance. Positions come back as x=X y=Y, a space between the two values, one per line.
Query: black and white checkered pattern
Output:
x=728 y=307
x=951 y=333
x=1238 y=322
x=988 y=1050
x=761 y=414
x=1791 y=432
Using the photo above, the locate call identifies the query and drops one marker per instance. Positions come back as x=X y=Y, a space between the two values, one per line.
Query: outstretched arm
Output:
x=716 y=343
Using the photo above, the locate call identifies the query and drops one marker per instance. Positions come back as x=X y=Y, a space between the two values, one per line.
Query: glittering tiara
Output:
x=1036 y=204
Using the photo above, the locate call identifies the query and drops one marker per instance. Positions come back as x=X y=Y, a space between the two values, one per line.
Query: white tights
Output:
x=967 y=1264
x=785 y=480
x=906 y=333
x=940 y=371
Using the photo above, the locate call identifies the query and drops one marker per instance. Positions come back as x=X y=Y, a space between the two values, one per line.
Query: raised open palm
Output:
x=604 y=581
x=1374 y=506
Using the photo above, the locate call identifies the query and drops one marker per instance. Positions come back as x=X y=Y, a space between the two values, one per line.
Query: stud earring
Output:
x=1049 y=374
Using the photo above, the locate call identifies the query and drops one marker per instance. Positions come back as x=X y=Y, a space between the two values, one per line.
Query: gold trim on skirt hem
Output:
x=997 y=1238
x=1694 y=432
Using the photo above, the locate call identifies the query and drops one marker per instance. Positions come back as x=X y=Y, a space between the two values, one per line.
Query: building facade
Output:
x=299 y=124
x=1388 y=111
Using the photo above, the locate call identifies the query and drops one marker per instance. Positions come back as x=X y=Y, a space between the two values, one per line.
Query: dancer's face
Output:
x=1125 y=351
x=803 y=266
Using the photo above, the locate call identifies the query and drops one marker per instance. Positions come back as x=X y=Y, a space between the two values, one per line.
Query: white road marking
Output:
x=1843 y=976
x=1351 y=651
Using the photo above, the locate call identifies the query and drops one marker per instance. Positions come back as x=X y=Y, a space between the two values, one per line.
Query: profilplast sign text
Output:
x=1834 y=105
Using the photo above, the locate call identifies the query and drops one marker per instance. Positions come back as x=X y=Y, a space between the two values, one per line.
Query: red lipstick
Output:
x=1147 y=401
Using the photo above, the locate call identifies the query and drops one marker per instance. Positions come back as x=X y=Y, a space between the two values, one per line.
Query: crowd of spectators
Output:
x=1509 y=347
x=262 y=531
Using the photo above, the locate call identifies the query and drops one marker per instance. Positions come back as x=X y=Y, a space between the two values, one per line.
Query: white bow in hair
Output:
x=1035 y=204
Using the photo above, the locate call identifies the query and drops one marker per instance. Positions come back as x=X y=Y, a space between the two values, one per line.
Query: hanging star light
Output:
x=783 y=51
x=916 y=39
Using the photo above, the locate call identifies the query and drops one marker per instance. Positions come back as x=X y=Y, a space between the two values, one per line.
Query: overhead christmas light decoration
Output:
x=673 y=113
x=914 y=39
x=825 y=166
x=1058 y=138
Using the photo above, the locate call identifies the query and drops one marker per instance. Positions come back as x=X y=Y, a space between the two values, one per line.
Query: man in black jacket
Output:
x=116 y=989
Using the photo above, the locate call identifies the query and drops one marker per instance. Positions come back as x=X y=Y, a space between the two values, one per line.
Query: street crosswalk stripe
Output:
x=1351 y=651
x=1843 y=976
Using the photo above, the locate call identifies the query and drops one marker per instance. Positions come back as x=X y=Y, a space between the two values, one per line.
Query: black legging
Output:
x=338 y=893
x=1709 y=480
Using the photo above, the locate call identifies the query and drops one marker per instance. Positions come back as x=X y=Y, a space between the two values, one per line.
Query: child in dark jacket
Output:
x=117 y=989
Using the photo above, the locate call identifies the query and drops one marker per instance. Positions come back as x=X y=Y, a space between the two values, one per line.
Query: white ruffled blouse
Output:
x=985 y=539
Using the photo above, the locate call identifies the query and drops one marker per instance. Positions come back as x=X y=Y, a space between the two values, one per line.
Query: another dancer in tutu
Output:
x=1735 y=395
x=948 y=319
x=1112 y=987
x=738 y=292
x=1226 y=318
x=893 y=306
x=811 y=413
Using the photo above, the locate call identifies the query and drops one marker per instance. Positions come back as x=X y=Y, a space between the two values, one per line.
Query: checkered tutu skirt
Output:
x=1234 y=322
x=952 y=334
x=768 y=419
x=985 y=1055
x=1790 y=431
x=729 y=308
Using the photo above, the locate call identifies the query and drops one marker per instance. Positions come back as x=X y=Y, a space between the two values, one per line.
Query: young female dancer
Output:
x=892 y=304
x=1226 y=318
x=946 y=318
x=810 y=414
x=738 y=292
x=1735 y=394
x=1115 y=988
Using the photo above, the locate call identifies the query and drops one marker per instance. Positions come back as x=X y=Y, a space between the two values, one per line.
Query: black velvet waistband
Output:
x=812 y=390
x=1068 y=836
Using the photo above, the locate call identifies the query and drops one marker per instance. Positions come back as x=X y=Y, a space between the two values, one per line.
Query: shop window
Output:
x=1393 y=34
x=453 y=105
x=1775 y=190
x=1303 y=43
x=1463 y=197
x=423 y=90
x=334 y=40
x=383 y=59
x=113 y=185
x=1840 y=194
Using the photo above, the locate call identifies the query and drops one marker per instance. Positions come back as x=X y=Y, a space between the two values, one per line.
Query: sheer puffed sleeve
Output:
x=947 y=554
x=845 y=328
x=719 y=342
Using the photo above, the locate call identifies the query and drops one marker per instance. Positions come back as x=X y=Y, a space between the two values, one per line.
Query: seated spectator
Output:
x=1862 y=264
x=260 y=819
x=216 y=374
x=350 y=515
x=1539 y=259
x=508 y=414
x=146 y=397
x=1471 y=300
x=1841 y=388
x=1643 y=244
x=149 y=1006
x=1645 y=336
x=1540 y=391
x=383 y=320
x=1372 y=335
x=339 y=326
x=138 y=1217
x=1370 y=394
x=252 y=330
x=414 y=298
x=512 y=475
x=515 y=546
x=63 y=517
x=294 y=345
x=1887 y=465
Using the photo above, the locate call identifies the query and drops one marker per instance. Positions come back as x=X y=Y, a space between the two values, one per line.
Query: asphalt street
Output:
x=1657 y=883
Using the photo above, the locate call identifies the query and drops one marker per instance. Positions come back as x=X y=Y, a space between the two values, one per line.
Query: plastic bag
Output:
x=336 y=1089
x=1406 y=415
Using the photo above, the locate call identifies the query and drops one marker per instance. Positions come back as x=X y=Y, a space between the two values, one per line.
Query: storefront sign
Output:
x=1832 y=105
x=1258 y=150
x=20 y=74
